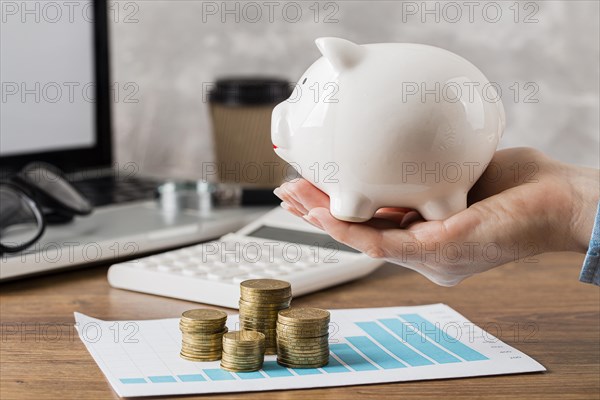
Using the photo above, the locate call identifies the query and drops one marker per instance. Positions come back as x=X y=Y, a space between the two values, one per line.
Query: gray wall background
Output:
x=171 y=51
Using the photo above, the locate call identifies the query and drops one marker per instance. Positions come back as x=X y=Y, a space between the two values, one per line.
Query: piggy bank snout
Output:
x=280 y=127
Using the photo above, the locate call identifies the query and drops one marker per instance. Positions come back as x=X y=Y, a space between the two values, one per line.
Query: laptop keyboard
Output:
x=110 y=190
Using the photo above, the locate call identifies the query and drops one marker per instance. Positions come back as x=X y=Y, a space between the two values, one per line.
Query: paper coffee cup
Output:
x=241 y=110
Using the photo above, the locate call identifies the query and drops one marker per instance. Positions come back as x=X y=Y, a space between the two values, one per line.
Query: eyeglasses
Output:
x=36 y=196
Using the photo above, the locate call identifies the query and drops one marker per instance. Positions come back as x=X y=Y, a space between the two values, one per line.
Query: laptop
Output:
x=56 y=108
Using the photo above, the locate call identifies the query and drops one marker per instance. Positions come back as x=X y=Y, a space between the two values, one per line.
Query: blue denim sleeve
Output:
x=590 y=273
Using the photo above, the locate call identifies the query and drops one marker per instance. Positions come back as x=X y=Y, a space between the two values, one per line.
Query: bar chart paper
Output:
x=367 y=345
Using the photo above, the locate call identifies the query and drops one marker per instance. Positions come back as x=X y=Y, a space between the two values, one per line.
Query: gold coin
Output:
x=271 y=324
x=258 y=317
x=202 y=330
x=300 y=340
x=235 y=369
x=318 y=364
x=201 y=323
x=302 y=346
x=263 y=306
x=214 y=347
x=305 y=364
x=201 y=355
x=229 y=348
x=289 y=349
x=205 y=335
x=207 y=315
x=240 y=362
x=266 y=302
x=260 y=312
x=315 y=350
x=307 y=333
x=241 y=368
x=250 y=360
x=196 y=358
x=243 y=337
x=263 y=285
x=303 y=315
x=262 y=301
x=239 y=354
x=257 y=326
x=301 y=353
x=201 y=344
x=214 y=343
x=303 y=357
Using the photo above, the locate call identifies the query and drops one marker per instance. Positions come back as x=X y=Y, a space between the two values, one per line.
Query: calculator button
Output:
x=180 y=264
x=263 y=264
x=303 y=264
x=257 y=275
x=141 y=264
x=220 y=274
x=195 y=260
x=191 y=272
x=164 y=267
x=288 y=268
x=219 y=264
x=273 y=273
x=240 y=278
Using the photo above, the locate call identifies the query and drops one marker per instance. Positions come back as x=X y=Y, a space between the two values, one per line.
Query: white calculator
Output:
x=277 y=245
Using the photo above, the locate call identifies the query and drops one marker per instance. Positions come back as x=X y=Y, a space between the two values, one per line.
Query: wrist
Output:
x=585 y=185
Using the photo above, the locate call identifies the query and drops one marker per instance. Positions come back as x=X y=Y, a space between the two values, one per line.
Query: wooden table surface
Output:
x=540 y=308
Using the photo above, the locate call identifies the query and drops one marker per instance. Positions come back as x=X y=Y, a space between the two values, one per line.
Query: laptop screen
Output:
x=49 y=76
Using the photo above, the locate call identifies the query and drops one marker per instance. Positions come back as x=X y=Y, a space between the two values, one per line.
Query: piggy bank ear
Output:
x=341 y=53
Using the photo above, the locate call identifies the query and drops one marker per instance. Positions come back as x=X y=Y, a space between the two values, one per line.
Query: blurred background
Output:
x=543 y=55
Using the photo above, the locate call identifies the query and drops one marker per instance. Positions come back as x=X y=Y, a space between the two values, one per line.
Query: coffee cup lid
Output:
x=250 y=91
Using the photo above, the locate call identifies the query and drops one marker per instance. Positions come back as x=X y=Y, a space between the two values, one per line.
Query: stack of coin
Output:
x=202 y=334
x=303 y=338
x=243 y=351
x=260 y=301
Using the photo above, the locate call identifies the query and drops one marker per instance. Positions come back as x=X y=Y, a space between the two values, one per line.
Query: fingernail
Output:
x=290 y=209
x=409 y=218
x=312 y=220
x=277 y=192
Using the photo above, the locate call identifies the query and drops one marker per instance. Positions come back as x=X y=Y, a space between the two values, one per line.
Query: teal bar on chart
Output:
x=162 y=379
x=441 y=338
x=274 y=370
x=128 y=381
x=191 y=378
x=334 y=367
x=393 y=345
x=403 y=330
x=308 y=371
x=218 y=374
x=250 y=375
x=351 y=357
x=374 y=352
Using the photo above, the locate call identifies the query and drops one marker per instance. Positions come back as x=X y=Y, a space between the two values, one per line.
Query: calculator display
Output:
x=300 y=237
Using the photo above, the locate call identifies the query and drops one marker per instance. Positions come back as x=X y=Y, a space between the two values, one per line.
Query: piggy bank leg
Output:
x=442 y=208
x=351 y=207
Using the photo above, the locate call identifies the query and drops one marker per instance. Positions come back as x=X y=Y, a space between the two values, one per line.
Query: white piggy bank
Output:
x=390 y=125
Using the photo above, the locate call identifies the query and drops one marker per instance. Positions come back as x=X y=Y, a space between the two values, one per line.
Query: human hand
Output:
x=524 y=204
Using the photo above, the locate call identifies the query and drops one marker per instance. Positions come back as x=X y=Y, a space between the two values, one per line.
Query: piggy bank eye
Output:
x=304 y=81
